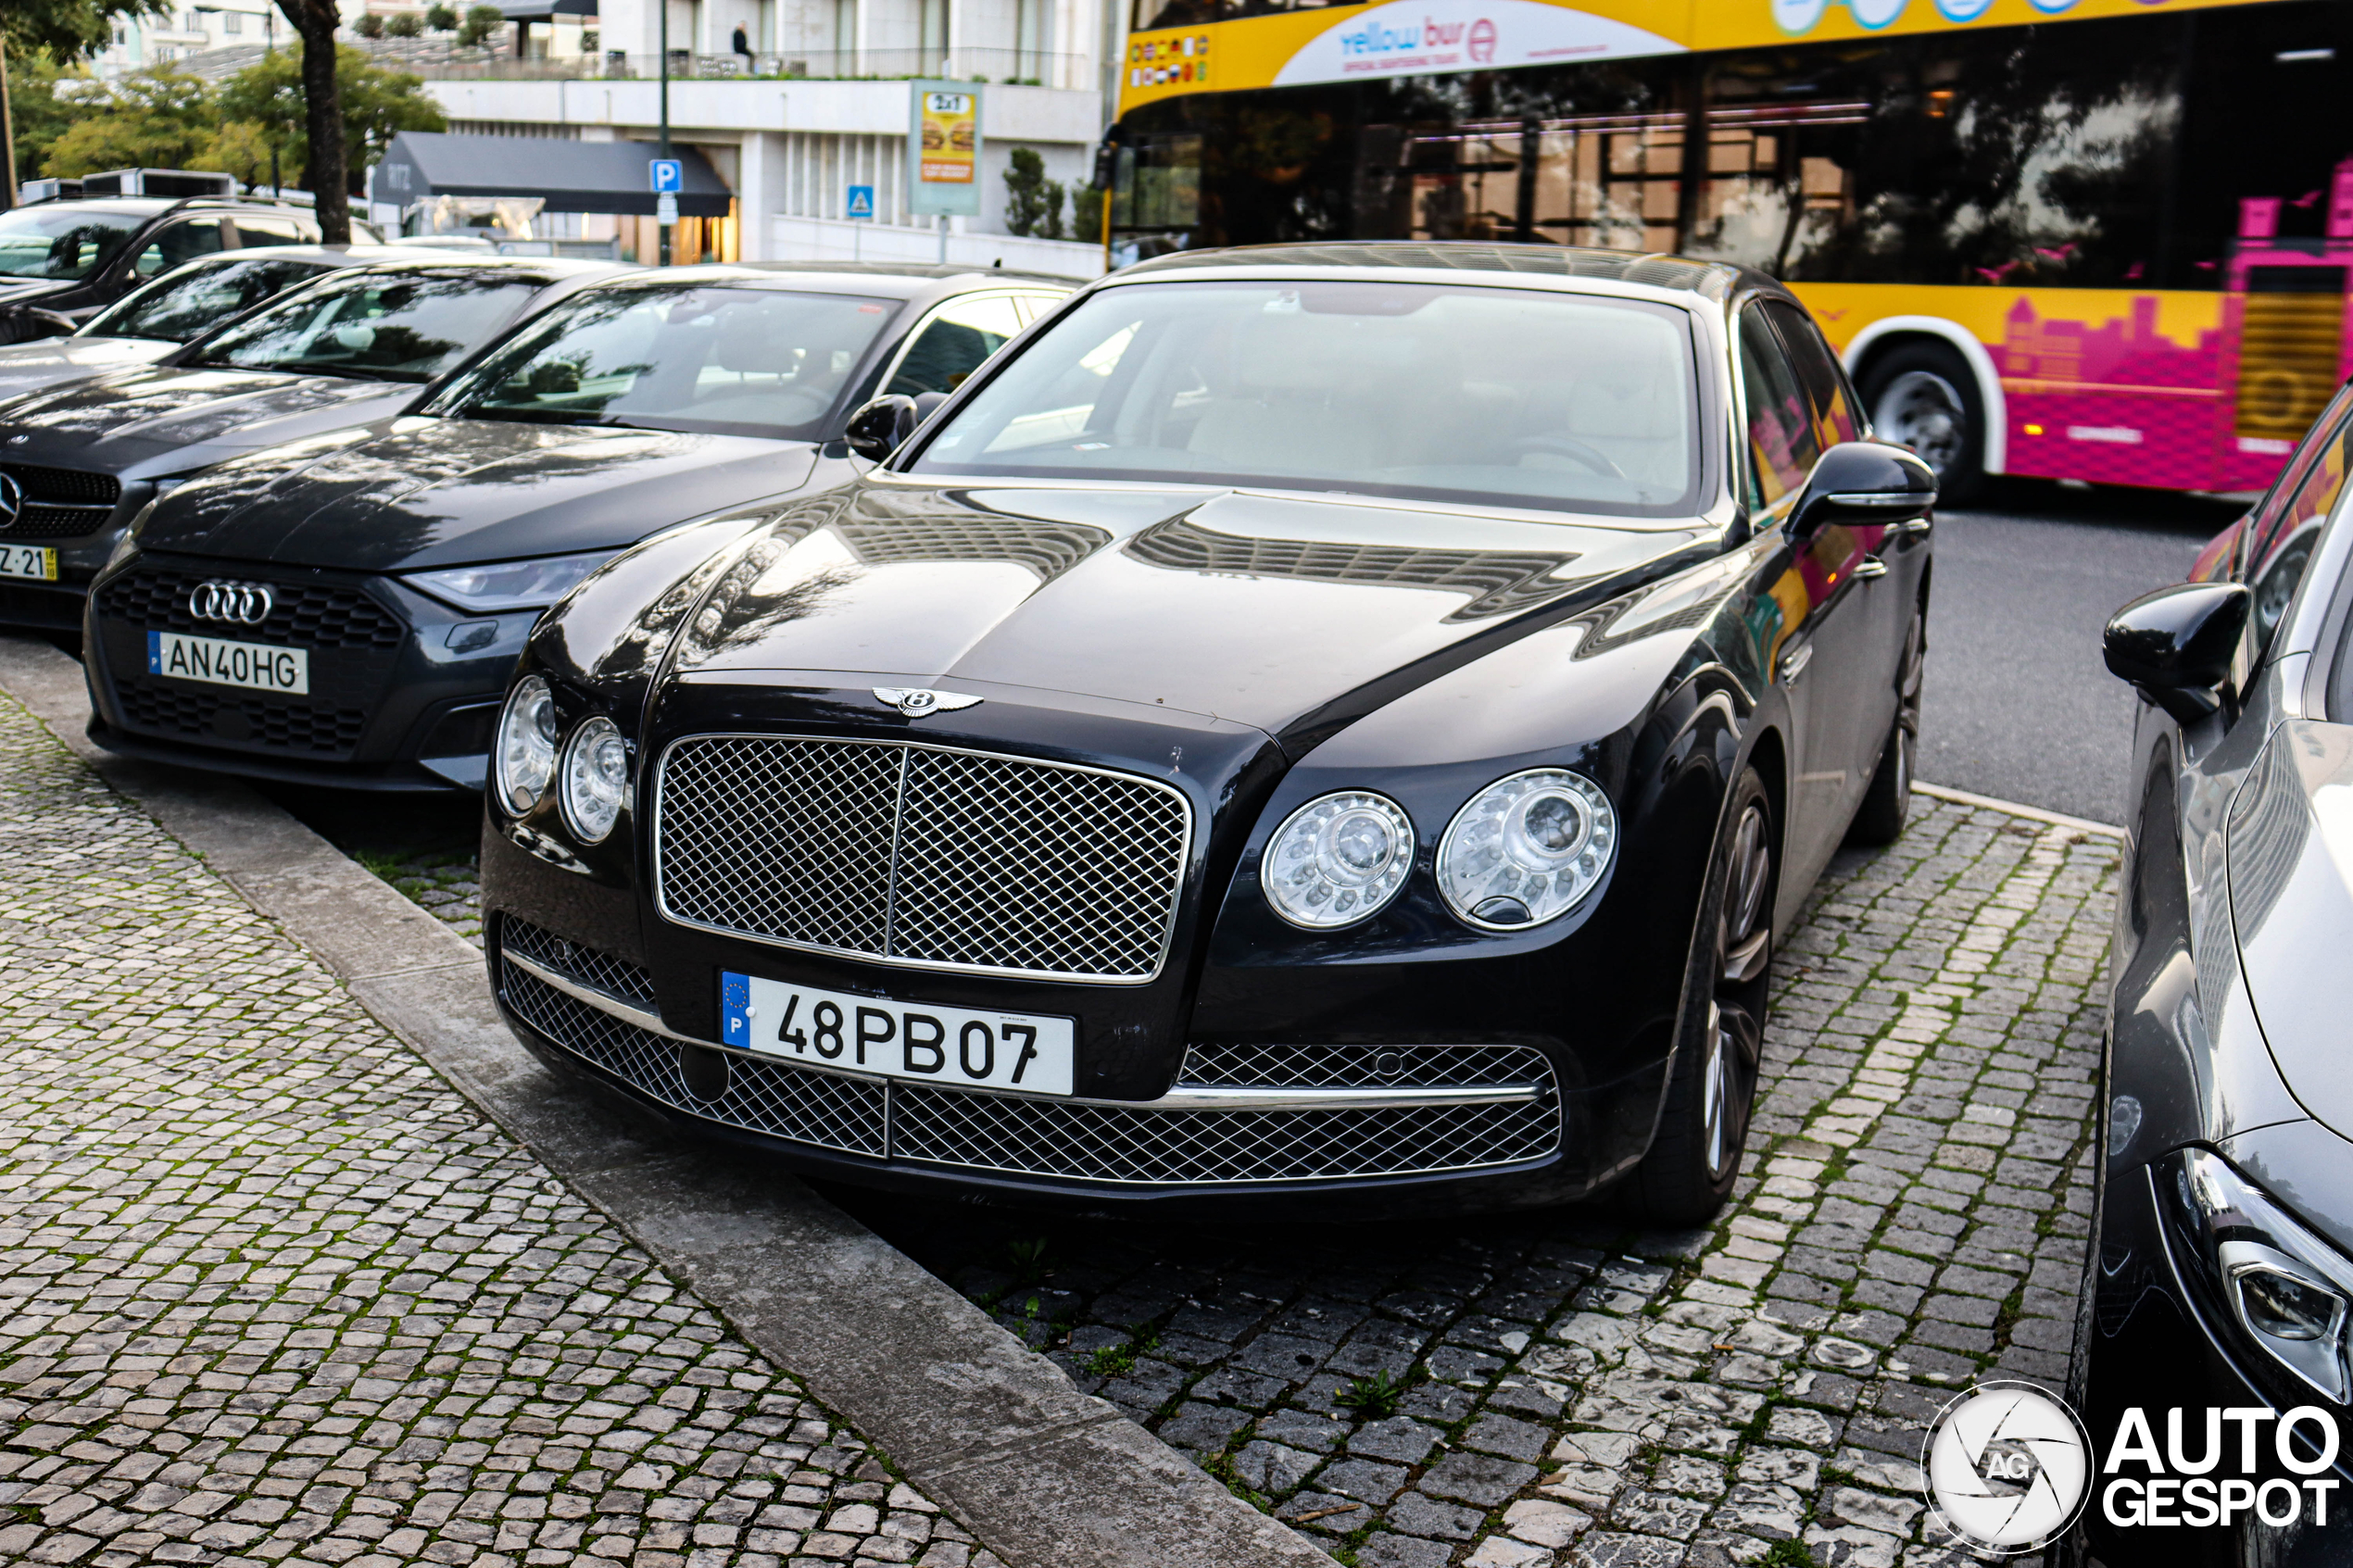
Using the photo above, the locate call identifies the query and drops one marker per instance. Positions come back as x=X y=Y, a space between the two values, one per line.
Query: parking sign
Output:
x=669 y=175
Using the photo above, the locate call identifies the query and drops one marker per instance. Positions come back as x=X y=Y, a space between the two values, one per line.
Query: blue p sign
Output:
x=669 y=173
x=862 y=202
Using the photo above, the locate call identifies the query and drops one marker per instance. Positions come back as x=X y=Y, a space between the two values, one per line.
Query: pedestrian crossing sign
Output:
x=862 y=202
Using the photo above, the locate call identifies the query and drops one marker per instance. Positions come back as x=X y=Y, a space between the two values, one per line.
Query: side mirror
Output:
x=879 y=427
x=1861 y=482
x=2177 y=644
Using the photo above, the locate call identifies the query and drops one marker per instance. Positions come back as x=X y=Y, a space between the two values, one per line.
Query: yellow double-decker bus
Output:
x=2103 y=240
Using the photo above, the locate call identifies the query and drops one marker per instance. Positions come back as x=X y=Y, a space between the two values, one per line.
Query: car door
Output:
x=1816 y=651
x=1877 y=568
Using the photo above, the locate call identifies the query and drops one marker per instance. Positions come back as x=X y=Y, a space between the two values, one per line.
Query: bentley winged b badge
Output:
x=915 y=702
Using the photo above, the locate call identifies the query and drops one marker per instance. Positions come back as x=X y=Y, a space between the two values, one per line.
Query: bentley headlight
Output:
x=1526 y=849
x=596 y=780
x=526 y=756
x=1337 y=859
x=2285 y=1290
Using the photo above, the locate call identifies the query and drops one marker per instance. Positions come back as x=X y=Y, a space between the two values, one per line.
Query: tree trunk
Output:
x=327 y=175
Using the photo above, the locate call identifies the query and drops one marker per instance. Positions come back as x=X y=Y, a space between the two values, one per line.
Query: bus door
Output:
x=2285 y=316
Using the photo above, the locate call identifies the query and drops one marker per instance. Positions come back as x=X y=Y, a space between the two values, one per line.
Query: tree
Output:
x=369 y=26
x=157 y=117
x=239 y=147
x=326 y=170
x=1033 y=203
x=44 y=106
x=374 y=105
x=407 y=24
x=440 y=18
x=66 y=30
x=482 y=25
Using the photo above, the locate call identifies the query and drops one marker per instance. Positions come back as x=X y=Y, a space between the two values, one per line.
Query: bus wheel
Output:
x=1924 y=395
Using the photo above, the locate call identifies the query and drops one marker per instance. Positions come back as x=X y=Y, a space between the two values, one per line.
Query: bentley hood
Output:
x=2291 y=879
x=157 y=419
x=52 y=359
x=1276 y=611
x=413 y=493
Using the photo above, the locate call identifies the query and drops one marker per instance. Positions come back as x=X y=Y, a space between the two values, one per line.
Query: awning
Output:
x=548 y=10
x=568 y=176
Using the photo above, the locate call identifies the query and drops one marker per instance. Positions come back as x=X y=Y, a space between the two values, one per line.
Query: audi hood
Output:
x=1265 y=608
x=416 y=492
x=160 y=419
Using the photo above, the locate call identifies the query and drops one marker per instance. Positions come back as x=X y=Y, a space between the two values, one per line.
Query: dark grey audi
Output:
x=345 y=609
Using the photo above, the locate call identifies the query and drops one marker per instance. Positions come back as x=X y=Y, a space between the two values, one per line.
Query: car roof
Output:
x=546 y=269
x=1714 y=280
x=980 y=276
x=138 y=207
x=355 y=254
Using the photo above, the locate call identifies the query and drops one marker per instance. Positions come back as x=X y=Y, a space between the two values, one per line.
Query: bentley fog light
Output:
x=2285 y=1290
x=596 y=780
x=1526 y=849
x=526 y=758
x=1337 y=859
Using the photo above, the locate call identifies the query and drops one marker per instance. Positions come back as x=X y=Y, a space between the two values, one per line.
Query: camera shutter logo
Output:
x=240 y=604
x=2009 y=1466
x=11 y=500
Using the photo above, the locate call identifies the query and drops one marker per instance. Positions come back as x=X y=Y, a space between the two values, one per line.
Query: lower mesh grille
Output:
x=37 y=520
x=330 y=732
x=1044 y=1137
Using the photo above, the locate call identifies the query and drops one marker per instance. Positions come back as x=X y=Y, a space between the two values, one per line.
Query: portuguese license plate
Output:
x=920 y=1042
x=254 y=666
x=36 y=561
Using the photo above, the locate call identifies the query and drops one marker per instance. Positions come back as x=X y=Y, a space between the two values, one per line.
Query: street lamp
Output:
x=664 y=201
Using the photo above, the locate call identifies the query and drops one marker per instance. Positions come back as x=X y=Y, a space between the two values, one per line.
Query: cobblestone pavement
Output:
x=443 y=885
x=271 y=1293
x=1521 y=1392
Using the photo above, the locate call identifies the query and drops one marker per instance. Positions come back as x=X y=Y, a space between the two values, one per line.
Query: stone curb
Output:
x=2013 y=809
x=999 y=1435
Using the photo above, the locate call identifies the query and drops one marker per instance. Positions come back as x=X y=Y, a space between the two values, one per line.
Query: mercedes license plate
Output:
x=921 y=1042
x=36 y=561
x=254 y=666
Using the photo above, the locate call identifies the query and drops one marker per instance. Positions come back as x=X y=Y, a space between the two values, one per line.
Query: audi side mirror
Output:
x=881 y=426
x=2177 y=645
x=1862 y=482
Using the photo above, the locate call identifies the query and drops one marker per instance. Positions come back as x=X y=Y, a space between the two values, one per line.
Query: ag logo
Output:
x=2008 y=1465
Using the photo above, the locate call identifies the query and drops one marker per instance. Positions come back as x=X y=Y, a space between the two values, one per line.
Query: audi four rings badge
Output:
x=915 y=702
x=11 y=500
x=243 y=604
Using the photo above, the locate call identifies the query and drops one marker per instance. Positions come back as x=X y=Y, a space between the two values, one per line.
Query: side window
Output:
x=274 y=232
x=1781 y=444
x=180 y=241
x=1033 y=306
x=2278 y=542
x=1833 y=414
x=954 y=344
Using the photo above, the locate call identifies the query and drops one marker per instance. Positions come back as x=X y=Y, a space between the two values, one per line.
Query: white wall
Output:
x=809 y=239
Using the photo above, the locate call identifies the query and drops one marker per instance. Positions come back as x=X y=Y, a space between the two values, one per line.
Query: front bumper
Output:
x=404 y=691
x=81 y=515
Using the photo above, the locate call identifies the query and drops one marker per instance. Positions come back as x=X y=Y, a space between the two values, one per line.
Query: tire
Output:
x=1711 y=1085
x=1887 y=805
x=1924 y=395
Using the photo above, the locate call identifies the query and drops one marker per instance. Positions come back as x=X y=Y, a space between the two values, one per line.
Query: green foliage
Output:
x=482 y=23
x=407 y=24
x=43 y=104
x=1087 y=215
x=156 y=118
x=1788 y=1554
x=377 y=106
x=1112 y=1361
x=66 y=29
x=1028 y=1260
x=1372 y=1398
x=1033 y=203
x=440 y=18
x=369 y=26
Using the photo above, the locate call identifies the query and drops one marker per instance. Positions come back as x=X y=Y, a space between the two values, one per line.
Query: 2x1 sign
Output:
x=943 y=148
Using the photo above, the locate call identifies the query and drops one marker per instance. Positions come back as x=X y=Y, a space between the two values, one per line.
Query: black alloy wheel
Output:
x=1711 y=1085
x=1887 y=805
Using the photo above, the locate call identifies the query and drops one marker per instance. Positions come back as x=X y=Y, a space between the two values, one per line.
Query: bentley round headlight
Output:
x=1337 y=859
x=526 y=743
x=1526 y=849
x=596 y=780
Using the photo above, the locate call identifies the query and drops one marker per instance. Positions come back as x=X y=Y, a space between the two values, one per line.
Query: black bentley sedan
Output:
x=185 y=303
x=345 y=609
x=78 y=461
x=1309 y=718
x=2224 y=1226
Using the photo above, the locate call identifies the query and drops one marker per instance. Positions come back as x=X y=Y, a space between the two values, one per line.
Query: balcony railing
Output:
x=1027 y=66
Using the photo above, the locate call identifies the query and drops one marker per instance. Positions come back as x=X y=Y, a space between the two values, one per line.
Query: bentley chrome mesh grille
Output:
x=1360 y=1067
x=922 y=855
x=615 y=977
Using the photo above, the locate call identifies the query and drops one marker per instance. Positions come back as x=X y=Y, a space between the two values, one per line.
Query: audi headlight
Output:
x=509 y=585
x=1526 y=849
x=526 y=756
x=596 y=780
x=2285 y=1290
x=1337 y=859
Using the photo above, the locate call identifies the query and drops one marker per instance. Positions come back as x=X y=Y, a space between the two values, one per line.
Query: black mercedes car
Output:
x=345 y=609
x=1302 y=719
x=182 y=305
x=78 y=460
x=2224 y=1234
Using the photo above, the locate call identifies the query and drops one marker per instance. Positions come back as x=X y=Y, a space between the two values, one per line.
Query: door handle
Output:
x=1794 y=662
x=1870 y=565
x=1916 y=526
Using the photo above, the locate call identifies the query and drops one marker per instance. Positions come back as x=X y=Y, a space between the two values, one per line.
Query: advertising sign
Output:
x=943 y=148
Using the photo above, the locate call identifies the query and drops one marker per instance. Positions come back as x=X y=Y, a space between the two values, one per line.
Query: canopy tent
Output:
x=548 y=10
x=566 y=176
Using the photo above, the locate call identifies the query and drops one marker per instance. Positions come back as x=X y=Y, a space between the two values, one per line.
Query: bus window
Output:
x=1781 y=444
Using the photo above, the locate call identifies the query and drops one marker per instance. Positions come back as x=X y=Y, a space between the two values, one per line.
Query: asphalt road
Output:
x=2017 y=703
